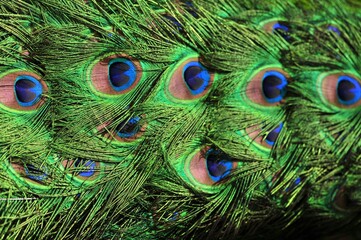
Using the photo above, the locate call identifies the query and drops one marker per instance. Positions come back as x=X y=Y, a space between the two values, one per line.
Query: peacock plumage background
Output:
x=142 y=119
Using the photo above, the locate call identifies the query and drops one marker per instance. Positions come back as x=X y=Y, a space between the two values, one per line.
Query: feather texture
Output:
x=142 y=119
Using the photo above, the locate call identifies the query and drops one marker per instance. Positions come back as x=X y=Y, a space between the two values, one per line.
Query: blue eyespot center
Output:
x=191 y=9
x=281 y=29
x=28 y=90
x=218 y=164
x=86 y=167
x=334 y=29
x=196 y=77
x=128 y=129
x=274 y=86
x=280 y=26
x=122 y=74
x=294 y=184
x=174 y=22
x=297 y=181
x=348 y=90
x=34 y=173
x=273 y=135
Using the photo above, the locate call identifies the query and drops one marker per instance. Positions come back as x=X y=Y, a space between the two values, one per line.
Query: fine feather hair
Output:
x=142 y=119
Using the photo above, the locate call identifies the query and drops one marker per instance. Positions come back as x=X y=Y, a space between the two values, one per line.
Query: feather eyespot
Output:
x=22 y=90
x=81 y=170
x=30 y=174
x=209 y=166
x=268 y=87
x=125 y=131
x=130 y=129
x=273 y=135
x=266 y=140
x=122 y=73
x=28 y=90
x=348 y=90
x=278 y=27
x=86 y=167
x=174 y=22
x=115 y=75
x=342 y=90
x=190 y=80
x=218 y=165
x=293 y=185
x=35 y=173
x=334 y=29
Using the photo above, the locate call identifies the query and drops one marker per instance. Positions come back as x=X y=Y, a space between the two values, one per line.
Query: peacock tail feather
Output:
x=140 y=119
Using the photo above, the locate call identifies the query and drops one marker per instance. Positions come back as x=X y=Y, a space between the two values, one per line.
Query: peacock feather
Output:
x=141 y=119
x=329 y=67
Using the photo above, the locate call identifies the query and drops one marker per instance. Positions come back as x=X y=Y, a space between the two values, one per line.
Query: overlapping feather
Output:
x=179 y=119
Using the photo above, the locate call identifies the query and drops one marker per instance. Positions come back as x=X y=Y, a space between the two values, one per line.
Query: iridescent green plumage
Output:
x=179 y=119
